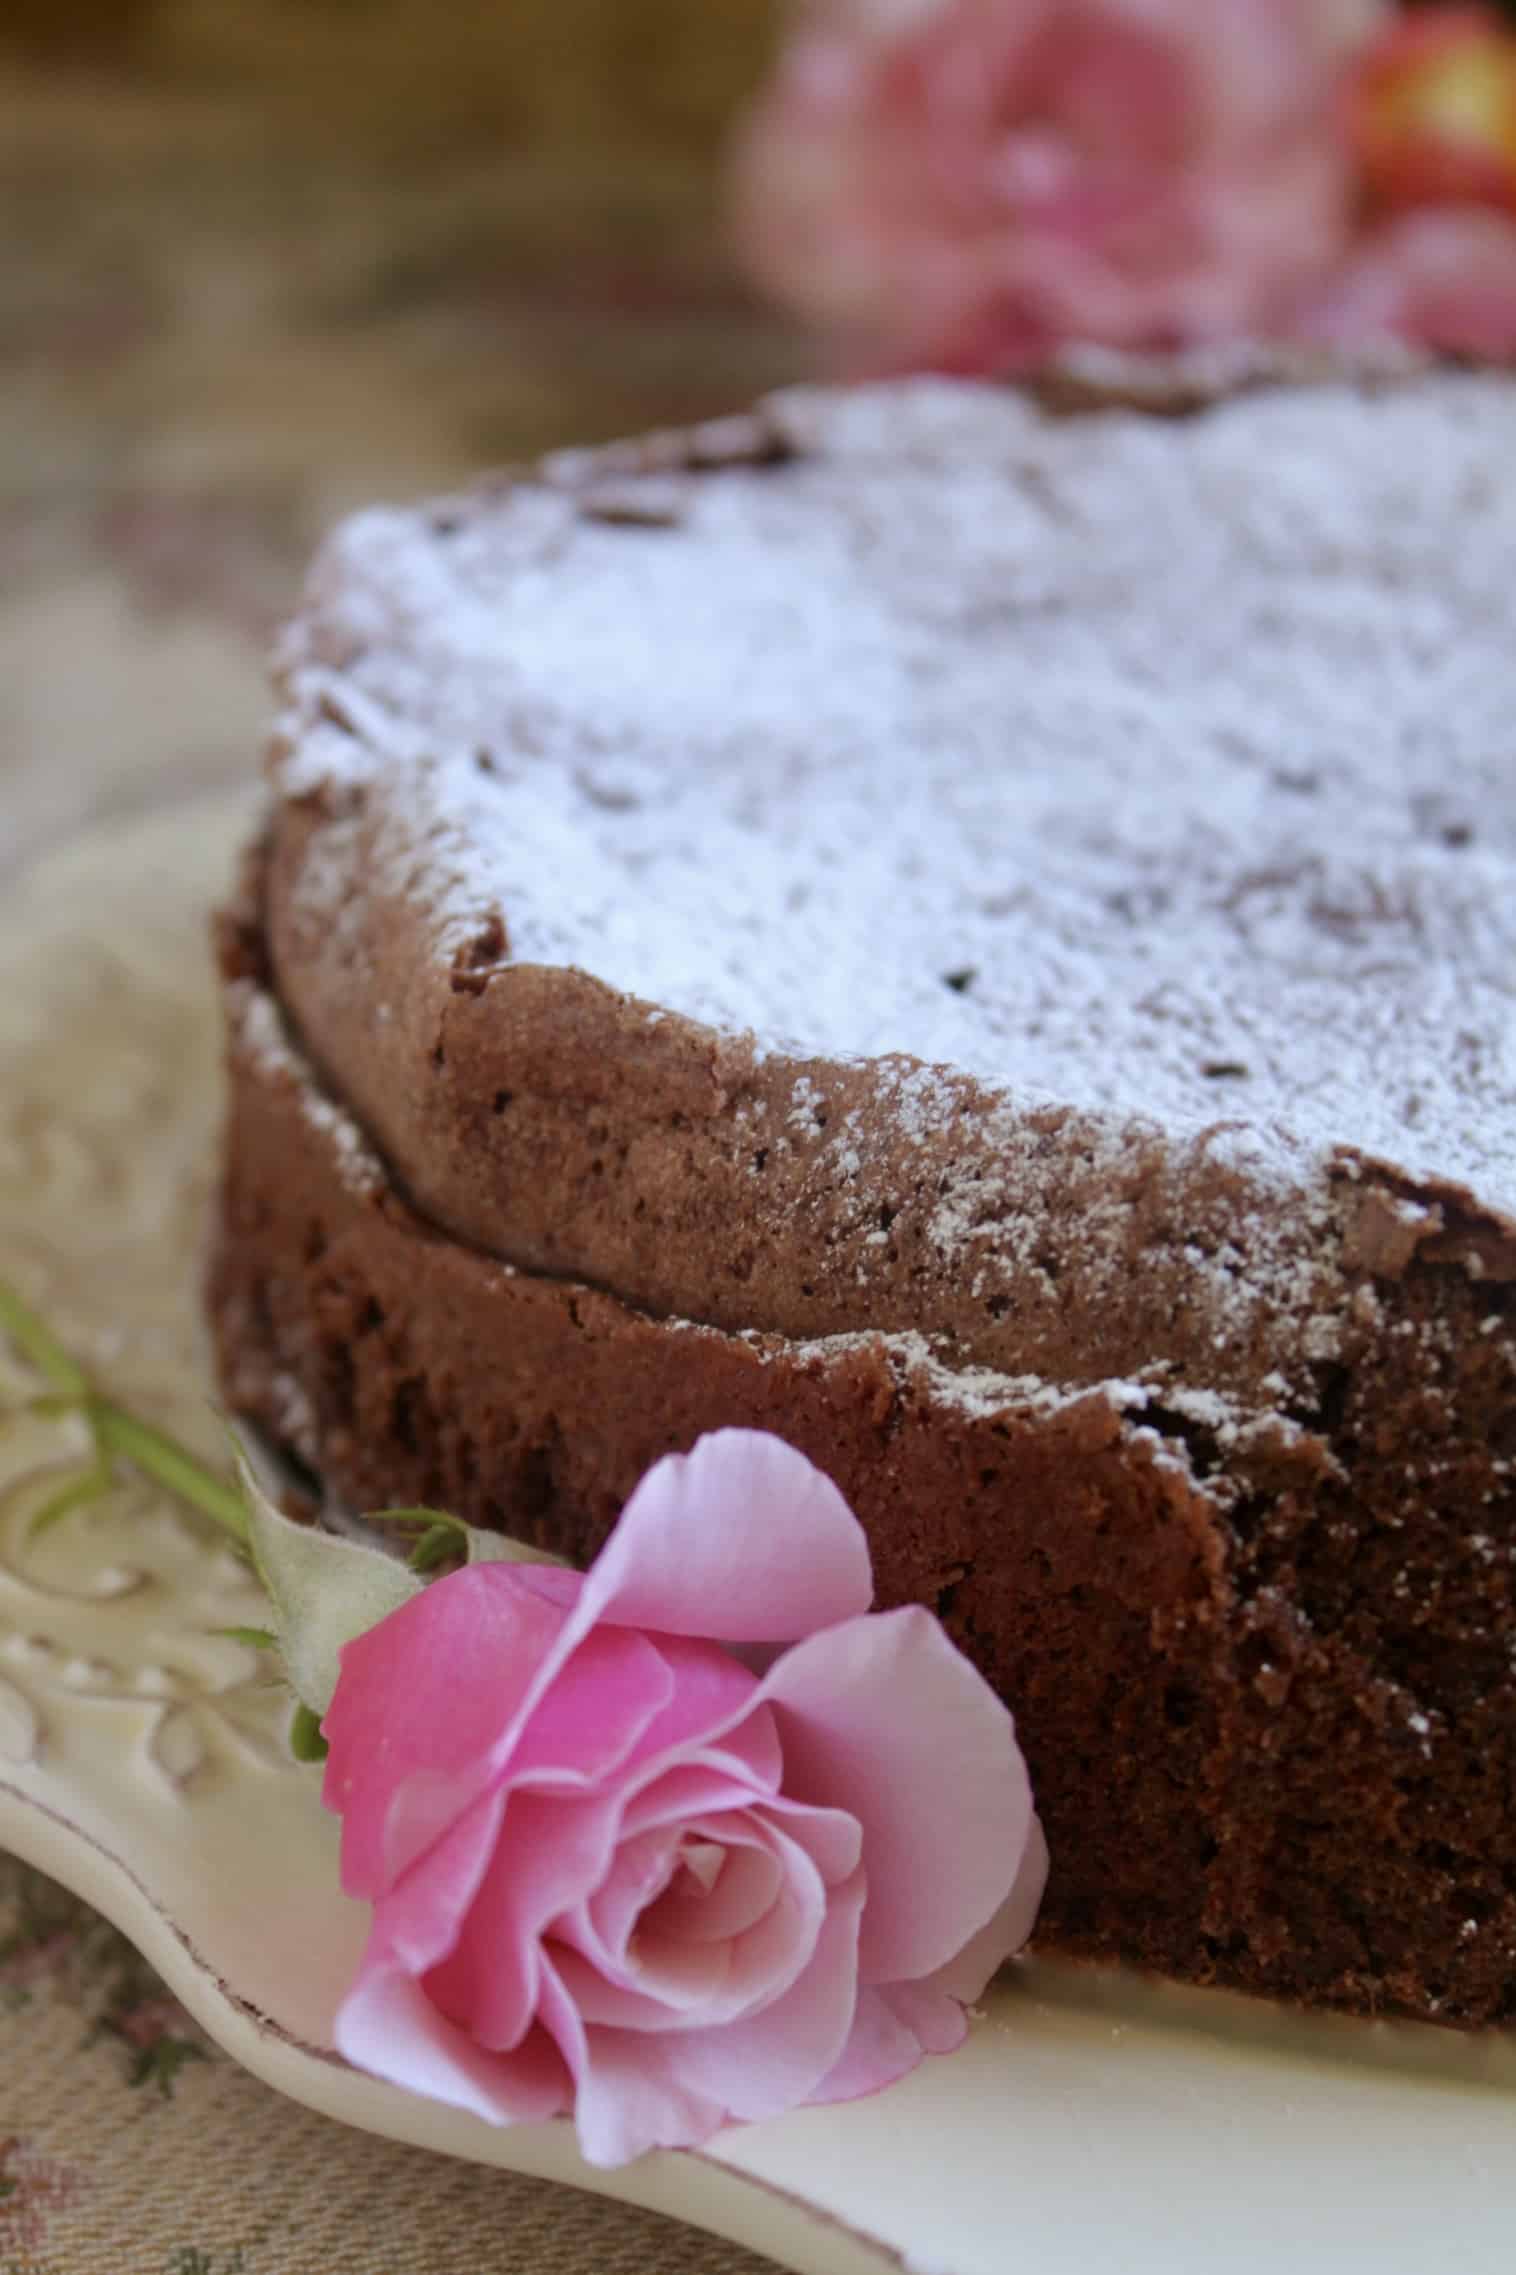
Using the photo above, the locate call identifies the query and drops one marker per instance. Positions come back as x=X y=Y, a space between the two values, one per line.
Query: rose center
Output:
x=697 y=1870
x=716 y=1890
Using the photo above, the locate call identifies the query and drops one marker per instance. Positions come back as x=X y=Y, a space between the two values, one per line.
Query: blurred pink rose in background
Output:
x=1442 y=278
x=967 y=186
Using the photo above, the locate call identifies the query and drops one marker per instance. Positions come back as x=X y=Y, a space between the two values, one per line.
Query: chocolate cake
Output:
x=981 y=938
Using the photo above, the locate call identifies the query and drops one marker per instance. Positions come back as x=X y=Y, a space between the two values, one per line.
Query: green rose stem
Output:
x=169 y=1464
x=115 y=1432
x=323 y=1590
x=37 y=1342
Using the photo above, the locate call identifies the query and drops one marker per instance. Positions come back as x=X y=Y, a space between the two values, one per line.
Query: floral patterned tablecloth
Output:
x=209 y=346
x=128 y=2146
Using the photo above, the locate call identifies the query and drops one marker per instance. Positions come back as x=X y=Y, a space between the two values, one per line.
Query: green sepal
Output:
x=323 y=1590
x=441 y=1540
x=437 y=1546
x=444 y=1532
x=306 y=1741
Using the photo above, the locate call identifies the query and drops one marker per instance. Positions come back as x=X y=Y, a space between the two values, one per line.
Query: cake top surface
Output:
x=1159 y=767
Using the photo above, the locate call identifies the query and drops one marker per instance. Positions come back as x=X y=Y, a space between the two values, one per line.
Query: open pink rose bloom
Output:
x=999 y=177
x=973 y=185
x=615 y=1871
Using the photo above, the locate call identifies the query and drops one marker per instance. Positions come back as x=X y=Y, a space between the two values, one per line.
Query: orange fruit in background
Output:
x=1431 y=110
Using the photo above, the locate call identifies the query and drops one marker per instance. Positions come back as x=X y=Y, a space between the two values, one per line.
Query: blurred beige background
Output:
x=412 y=80
x=262 y=259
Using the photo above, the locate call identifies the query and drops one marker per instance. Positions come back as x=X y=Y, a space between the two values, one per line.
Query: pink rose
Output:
x=1442 y=278
x=1003 y=176
x=615 y=1870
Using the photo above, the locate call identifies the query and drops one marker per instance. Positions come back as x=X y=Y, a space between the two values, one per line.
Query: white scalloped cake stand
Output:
x=1092 y=2123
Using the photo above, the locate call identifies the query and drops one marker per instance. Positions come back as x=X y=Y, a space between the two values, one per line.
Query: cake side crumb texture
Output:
x=1263 y=1672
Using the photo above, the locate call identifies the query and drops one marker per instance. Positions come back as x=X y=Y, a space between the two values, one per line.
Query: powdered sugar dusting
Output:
x=1163 y=769
x=254 y=1020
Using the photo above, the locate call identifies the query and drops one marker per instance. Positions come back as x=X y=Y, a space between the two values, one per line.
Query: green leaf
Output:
x=306 y=1742
x=256 y=1638
x=323 y=1590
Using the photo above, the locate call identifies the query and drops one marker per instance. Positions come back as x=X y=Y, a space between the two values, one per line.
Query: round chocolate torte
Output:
x=976 y=933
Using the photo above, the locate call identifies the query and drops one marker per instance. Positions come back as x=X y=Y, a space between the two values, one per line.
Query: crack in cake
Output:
x=980 y=939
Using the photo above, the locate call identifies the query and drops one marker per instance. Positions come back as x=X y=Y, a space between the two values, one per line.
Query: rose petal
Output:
x=774 y=2059
x=628 y=2096
x=575 y=1729
x=388 y=2025
x=633 y=2097
x=937 y=2023
x=970 y=1970
x=664 y=1987
x=703 y=1862
x=692 y=1908
x=601 y=1714
x=602 y=2002
x=746 y=1875
x=429 y=1690
x=709 y=1780
x=425 y=1913
x=743 y=1540
x=550 y=1853
x=880 y=2048
x=932 y=2010
x=709 y=1690
x=831 y=1838
x=884 y=1719
x=639 y=1873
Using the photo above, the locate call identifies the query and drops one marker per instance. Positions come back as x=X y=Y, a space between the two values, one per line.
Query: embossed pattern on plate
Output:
x=1092 y=2123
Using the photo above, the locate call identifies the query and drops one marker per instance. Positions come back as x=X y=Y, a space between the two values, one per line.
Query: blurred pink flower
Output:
x=1441 y=278
x=616 y=1871
x=968 y=186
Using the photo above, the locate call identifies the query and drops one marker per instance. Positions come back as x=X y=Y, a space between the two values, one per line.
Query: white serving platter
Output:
x=1092 y=2123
